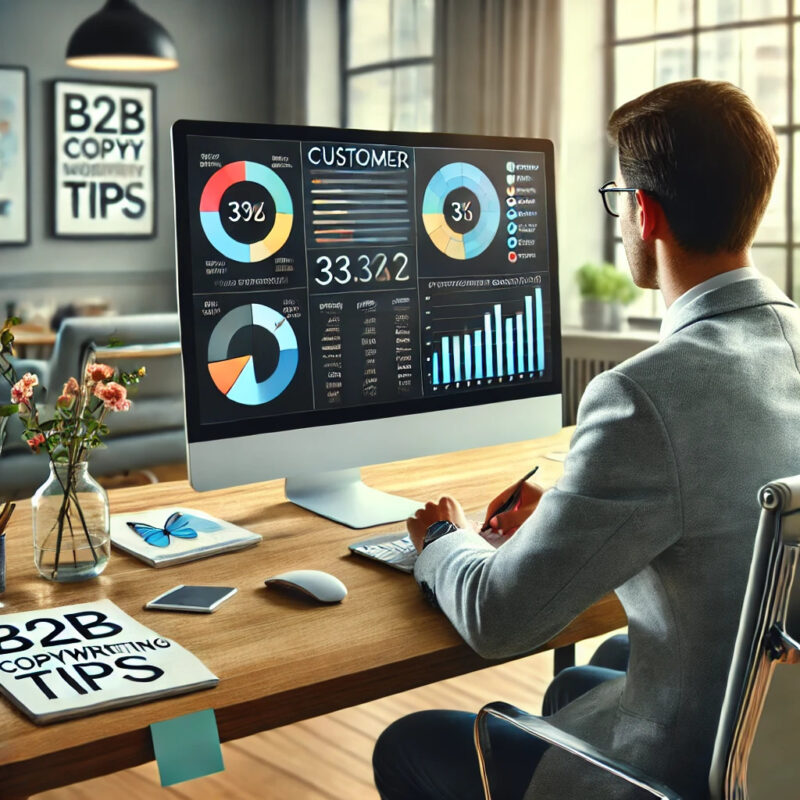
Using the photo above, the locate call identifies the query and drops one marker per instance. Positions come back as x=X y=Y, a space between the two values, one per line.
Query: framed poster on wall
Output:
x=104 y=160
x=14 y=197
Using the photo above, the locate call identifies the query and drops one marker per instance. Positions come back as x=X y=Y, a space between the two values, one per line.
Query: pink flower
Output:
x=22 y=390
x=36 y=442
x=113 y=395
x=99 y=372
x=71 y=388
x=68 y=394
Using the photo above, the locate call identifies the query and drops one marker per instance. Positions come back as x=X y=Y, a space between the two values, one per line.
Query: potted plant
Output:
x=604 y=291
x=70 y=510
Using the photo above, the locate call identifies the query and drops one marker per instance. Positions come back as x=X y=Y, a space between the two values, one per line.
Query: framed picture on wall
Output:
x=14 y=192
x=104 y=160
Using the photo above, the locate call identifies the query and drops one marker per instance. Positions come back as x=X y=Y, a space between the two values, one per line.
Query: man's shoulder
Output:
x=720 y=343
x=681 y=348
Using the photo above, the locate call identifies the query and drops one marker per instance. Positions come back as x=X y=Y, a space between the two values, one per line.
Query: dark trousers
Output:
x=431 y=755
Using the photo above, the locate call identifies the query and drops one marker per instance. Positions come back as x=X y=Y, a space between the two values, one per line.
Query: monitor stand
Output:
x=343 y=497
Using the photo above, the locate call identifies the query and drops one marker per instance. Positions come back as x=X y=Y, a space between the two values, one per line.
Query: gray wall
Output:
x=223 y=74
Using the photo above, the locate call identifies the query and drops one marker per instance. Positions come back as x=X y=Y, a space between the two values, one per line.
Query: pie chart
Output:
x=240 y=172
x=252 y=354
x=460 y=210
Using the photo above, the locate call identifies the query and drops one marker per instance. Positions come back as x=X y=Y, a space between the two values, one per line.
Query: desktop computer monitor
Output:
x=350 y=297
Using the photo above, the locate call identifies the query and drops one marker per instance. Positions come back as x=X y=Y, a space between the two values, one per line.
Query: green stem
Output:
x=83 y=523
x=8 y=371
x=61 y=514
x=78 y=408
x=72 y=534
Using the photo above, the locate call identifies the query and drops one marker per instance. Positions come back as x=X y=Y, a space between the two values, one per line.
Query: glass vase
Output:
x=71 y=539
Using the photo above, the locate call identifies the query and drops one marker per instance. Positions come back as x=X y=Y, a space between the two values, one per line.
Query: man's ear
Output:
x=649 y=216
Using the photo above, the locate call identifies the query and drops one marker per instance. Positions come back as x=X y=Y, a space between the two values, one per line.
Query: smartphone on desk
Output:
x=202 y=599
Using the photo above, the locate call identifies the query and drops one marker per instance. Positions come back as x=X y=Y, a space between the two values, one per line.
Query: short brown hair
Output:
x=706 y=153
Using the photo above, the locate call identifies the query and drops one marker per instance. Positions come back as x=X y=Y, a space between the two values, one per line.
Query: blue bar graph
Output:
x=498 y=339
x=539 y=331
x=509 y=347
x=487 y=332
x=529 y=329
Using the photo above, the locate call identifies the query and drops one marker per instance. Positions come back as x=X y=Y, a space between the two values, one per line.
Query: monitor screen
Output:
x=330 y=276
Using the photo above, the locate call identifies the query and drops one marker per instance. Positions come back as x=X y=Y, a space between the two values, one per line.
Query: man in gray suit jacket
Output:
x=658 y=496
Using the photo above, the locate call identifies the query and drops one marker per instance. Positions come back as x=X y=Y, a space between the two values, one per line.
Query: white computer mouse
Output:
x=322 y=586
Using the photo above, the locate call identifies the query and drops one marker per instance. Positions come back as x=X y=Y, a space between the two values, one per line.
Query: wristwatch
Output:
x=437 y=530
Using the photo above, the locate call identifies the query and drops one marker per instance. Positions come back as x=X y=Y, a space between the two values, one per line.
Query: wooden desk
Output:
x=33 y=341
x=138 y=351
x=279 y=659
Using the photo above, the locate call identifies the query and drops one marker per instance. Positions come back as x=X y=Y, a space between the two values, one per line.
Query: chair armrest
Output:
x=544 y=730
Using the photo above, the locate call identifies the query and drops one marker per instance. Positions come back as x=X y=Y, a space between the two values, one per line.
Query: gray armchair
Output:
x=755 y=753
x=150 y=434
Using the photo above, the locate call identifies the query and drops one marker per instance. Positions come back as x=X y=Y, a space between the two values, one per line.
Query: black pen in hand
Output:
x=512 y=500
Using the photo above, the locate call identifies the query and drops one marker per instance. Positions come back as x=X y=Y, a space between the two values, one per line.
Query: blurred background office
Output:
x=540 y=68
x=549 y=68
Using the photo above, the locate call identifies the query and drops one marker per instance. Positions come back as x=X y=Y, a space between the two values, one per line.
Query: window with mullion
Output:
x=750 y=43
x=387 y=64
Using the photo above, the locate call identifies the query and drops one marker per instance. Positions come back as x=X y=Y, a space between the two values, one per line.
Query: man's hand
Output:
x=507 y=522
x=446 y=508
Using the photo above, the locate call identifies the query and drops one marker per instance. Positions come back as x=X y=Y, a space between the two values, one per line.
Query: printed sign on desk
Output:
x=104 y=160
x=75 y=660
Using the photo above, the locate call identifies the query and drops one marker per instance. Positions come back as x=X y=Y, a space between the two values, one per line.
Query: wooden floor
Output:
x=327 y=758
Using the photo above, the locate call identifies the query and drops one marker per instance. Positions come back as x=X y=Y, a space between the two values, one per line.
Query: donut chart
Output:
x=216 y=185
x=235 y=376
x=460 y=175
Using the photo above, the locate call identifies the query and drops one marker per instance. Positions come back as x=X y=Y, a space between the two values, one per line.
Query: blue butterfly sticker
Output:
x=184 y=526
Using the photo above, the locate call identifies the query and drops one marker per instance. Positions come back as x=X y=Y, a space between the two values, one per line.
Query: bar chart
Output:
x=507 y=340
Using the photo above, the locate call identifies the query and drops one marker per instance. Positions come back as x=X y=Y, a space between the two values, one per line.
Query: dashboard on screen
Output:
x=330 y=275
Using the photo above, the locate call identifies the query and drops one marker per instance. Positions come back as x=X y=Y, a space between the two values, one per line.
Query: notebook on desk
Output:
x=80 y=659
x=174 y=535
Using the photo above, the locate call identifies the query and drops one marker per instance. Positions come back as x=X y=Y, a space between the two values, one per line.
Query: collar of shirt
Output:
x=717 y=282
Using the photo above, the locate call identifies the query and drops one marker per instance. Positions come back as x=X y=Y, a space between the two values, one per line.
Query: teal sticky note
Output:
x=187 y=747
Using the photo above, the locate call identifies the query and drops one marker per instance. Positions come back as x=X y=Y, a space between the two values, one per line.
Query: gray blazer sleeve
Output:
x=615 y=509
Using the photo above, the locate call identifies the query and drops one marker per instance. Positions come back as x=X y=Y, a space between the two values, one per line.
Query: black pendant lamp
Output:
x=121 y=37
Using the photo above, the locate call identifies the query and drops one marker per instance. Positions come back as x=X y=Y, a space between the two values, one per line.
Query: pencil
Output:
x=5 y=515
x=512 y=500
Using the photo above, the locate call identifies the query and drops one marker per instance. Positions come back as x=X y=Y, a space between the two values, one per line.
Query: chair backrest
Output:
x=78 y=337
x=764 y=641
x=157 y=400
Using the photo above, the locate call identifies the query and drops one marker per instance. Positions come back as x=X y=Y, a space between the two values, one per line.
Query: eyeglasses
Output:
x=610 y=193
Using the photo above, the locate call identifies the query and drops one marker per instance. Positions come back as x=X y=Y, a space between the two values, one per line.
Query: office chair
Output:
x=757 y=736
x=149 y=435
